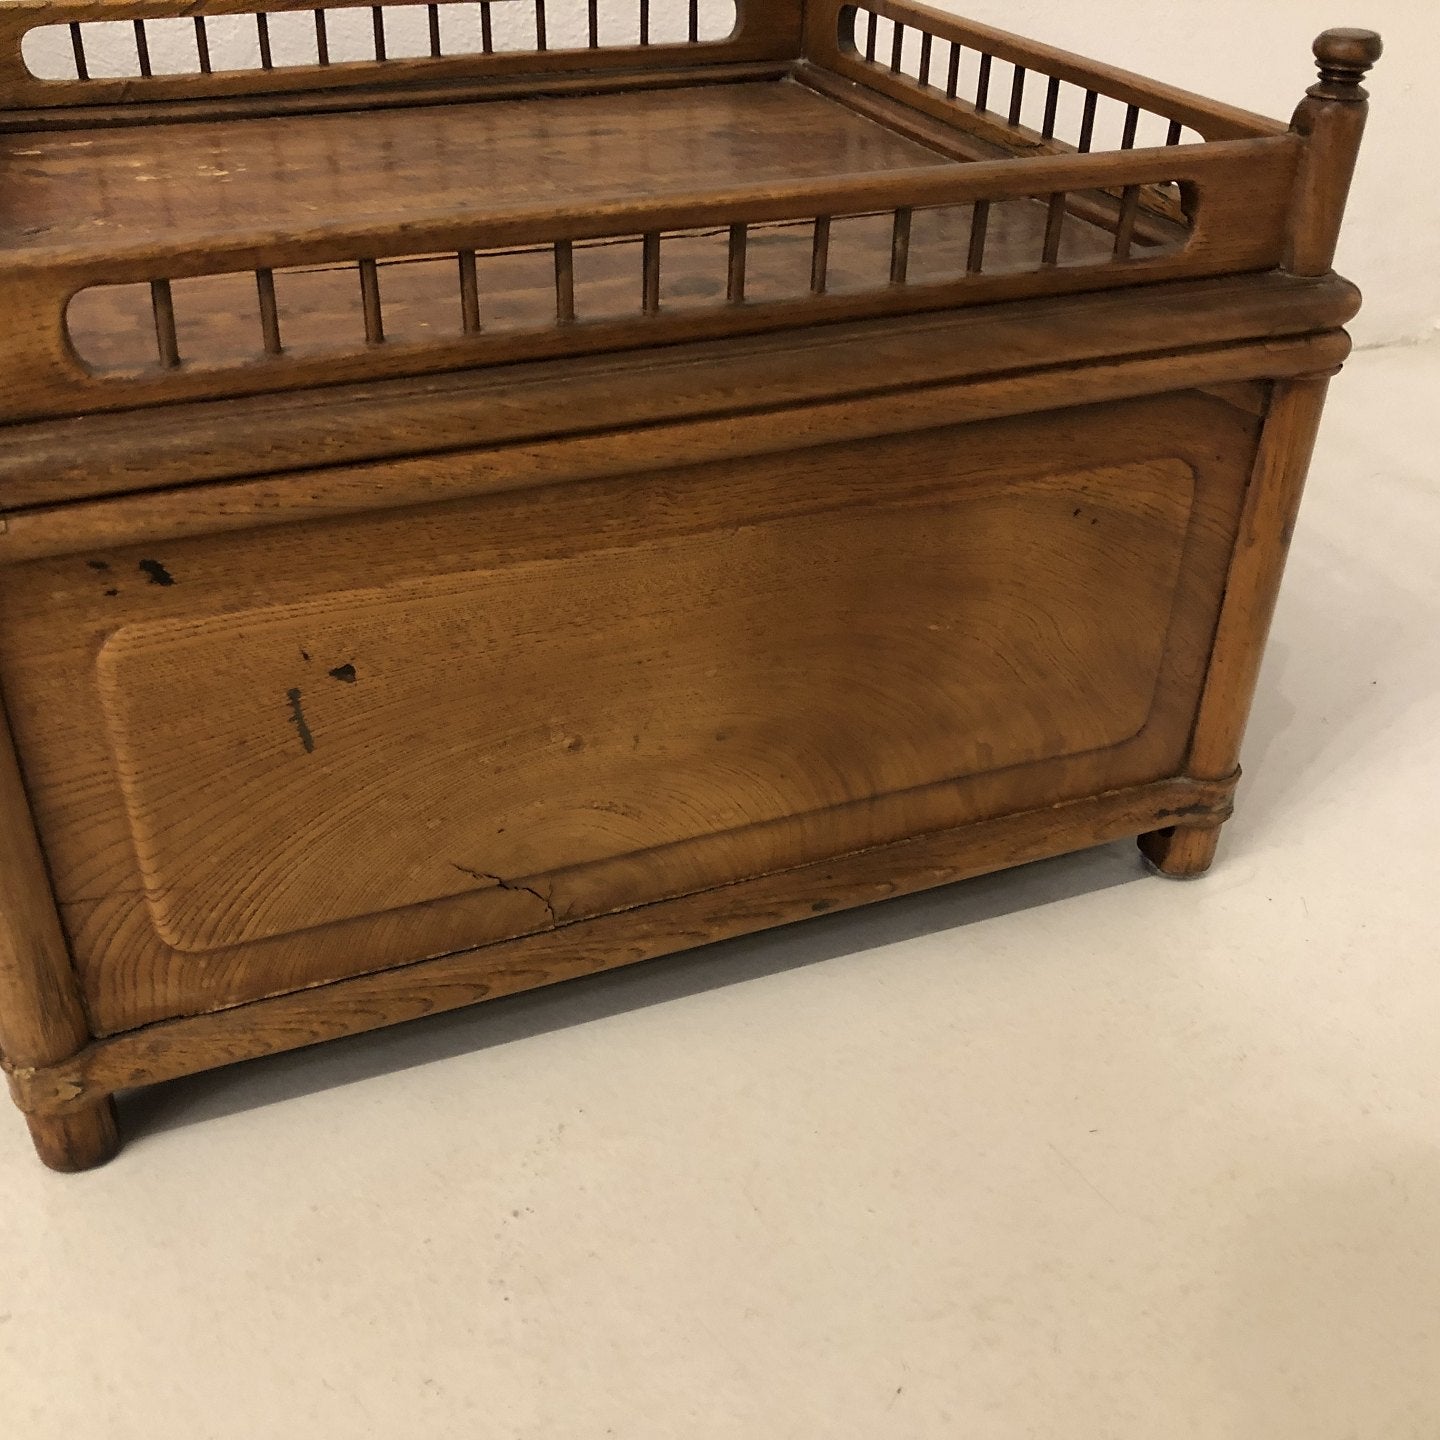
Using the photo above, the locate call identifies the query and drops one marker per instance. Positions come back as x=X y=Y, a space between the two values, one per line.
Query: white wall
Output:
x=1257 y=53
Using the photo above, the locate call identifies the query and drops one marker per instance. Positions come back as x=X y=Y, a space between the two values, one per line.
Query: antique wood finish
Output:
x=42 y=1017
x=863 y=373
x=990 y=111
x=764 y=31
x=691 y=749
x=1240 y=225
x=773 y=473
x=174 y=1048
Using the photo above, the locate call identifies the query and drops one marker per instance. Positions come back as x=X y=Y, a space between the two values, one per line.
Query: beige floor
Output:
x=1066 y=1153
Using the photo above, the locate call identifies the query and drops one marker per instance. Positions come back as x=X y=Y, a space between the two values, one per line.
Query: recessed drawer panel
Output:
x=267 y=759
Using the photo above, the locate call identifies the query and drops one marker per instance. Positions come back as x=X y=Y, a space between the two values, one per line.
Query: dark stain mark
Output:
x=156 y=572
x=1184 y=812
x=574 y=743
x=112 y=593
x=1075 y=513
x=1095 y=521
x=501 y=883
x=297 y=718
x=305 y=656
x=345 y=673
x=98 y=564
x=821 y=906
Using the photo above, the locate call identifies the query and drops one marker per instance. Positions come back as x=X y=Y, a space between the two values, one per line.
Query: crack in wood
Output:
x=501 y=883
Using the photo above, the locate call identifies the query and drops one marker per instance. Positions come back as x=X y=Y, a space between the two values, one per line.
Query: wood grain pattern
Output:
x=208 y=180
x=1332 y=120
x=50 y=645
x=716 y=680
x=320 y=314
x=1239 y=225
x=1212 y=119
x=832 y=469
x=765 y=30
x=174 y=1048
x=54 y=462
x=42 y=1015
x=278 y=500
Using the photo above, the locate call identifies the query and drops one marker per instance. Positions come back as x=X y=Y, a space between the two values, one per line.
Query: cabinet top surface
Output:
x=99 y=188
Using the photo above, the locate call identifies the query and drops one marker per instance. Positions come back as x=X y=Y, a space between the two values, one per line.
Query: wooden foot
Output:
x=1181 y=852
x=80 y=1140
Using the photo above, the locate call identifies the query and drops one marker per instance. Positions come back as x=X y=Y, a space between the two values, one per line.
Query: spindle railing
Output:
x=887 y=251
x=105 y=52
x=266 y=39
x=1011 y=92
x=245 y=314
x=208 y=312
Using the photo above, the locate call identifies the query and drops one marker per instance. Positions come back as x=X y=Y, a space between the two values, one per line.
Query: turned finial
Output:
x=1345 y=58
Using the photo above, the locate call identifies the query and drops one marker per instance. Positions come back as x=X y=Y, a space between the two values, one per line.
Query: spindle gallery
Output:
x=497 y=491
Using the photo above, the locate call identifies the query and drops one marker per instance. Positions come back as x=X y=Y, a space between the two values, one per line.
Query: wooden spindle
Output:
x=872 y=36
x=377 y=26
x=651 y=260
x=269 y=311
x=900 y=245
x=979 y=228
x=541 y=28
x=433 y=15
x=1132 y=127
x=487 y=28
x=77 y=48
x=202 y=45
x=644 y=22
x=370 y=302
x=594 y=24
x=469 y=294
x=322 y=39
x=1331 y=122
x=142 y=47
x=262 y=30
x=1054 y=229
x=739 y=255
x=1129 y=214
x=564 y=282
x=927 y=50
x=1052 y=107
x=162 y=307
x=694 y=31
x=1173 y=135
x=897 y=48
x=1087 y=124
x=1017 y=96
x=820 y=256
x=952 y=77
x=982 y=88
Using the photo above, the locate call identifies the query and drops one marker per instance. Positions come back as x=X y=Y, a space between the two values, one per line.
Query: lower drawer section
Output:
x=263 y=760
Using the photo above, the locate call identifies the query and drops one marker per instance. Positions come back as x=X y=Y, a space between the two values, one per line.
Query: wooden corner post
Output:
x=42 y=1020
x=1331 y=119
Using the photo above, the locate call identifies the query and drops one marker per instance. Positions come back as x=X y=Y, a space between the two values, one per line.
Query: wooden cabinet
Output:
x=358 y=678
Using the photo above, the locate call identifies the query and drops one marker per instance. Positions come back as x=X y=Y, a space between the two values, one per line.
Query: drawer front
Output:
x=267 y=759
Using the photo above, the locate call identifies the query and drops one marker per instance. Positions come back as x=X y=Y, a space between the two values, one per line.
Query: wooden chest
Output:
x=533 y=496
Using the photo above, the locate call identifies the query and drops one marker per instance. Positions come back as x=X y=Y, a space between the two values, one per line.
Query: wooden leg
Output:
x=80 y=1140
x=1183 y=852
